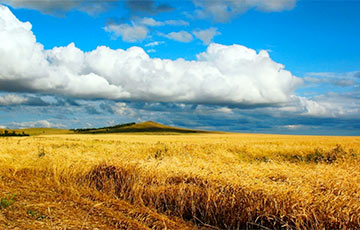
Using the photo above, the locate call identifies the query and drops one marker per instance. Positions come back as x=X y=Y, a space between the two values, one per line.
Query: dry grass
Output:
x=44 y=131
x=225 y=181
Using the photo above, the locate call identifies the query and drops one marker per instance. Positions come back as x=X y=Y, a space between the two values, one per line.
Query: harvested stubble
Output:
x=226 y=181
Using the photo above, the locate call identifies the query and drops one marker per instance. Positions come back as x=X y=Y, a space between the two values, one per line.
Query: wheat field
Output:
x=193 y=181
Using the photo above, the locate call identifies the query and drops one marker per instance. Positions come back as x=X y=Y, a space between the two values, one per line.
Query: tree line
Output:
x=103 y=128
x=7 y=133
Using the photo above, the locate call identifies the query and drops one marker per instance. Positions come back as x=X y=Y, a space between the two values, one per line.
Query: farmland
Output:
x=188 y=181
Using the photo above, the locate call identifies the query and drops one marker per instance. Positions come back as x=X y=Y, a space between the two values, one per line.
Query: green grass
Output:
x=5 y=202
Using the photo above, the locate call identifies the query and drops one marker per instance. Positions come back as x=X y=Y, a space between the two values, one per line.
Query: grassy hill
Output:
x=148 y=127
x=145 y=127
x=44 y=131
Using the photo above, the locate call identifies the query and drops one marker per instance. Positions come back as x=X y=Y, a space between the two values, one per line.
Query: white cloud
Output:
x=138 y=30
x=122 y=109
x=3 y=127
x=152 y=22
x=313 y=108
x=206 y=35
x=330 y=105
x=181 y=36
x=221 y=75
x=292 y=127
x=224 y=110
x=156 y=43
x=36 y=124
x=176 y=23
x=151 y=50
x=211 y=110
x=224 y=10
x=12 y=99
x=128 y=33
x=307 y=107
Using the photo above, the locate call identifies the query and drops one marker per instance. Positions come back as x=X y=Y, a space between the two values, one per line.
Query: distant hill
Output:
x=44 y=131
x=149 y=127
x=145 y=127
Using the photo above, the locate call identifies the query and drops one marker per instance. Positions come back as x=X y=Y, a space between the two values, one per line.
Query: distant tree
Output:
x=8 y=133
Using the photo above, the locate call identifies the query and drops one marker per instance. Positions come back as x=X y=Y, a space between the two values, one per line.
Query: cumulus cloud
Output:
x=331 y=105
x=222 y=11
x=221 y=75
x=128 y=33
x=207 y=35
x=12 y=99
x=307 y=107
x=313 y=108
x=181 y=36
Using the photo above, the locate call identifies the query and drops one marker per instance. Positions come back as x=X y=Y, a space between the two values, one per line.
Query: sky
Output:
x=251 y=66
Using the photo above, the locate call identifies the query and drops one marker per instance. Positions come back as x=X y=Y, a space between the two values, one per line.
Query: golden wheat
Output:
x=225 y=181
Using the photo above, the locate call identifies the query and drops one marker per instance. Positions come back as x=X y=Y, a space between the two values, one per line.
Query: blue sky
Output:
x=276 y=66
